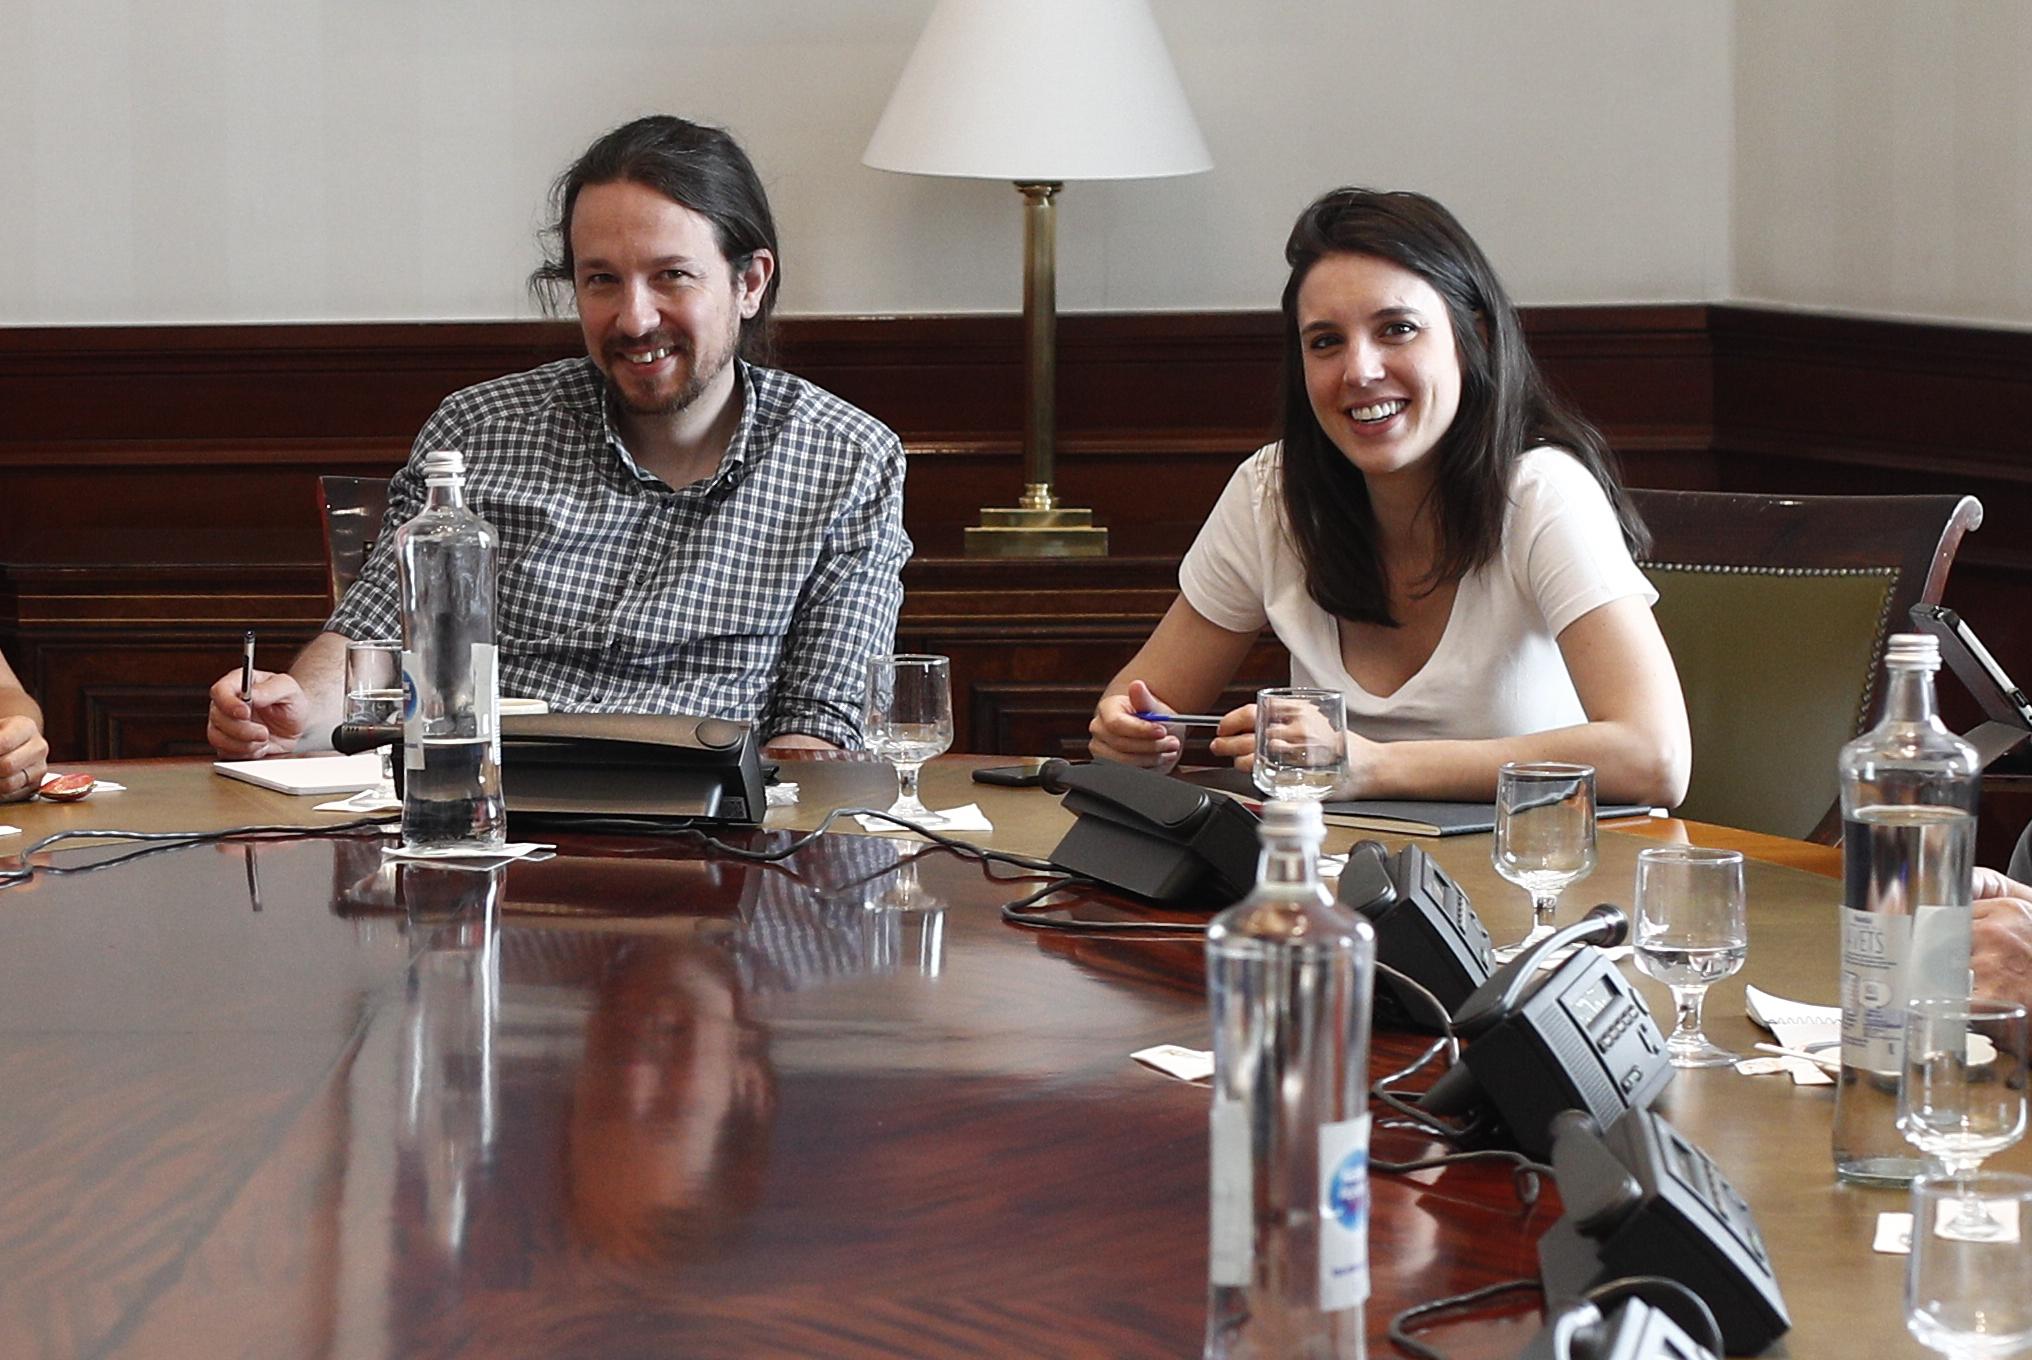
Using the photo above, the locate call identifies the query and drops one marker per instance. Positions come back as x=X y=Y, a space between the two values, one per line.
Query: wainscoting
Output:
x=158 y=481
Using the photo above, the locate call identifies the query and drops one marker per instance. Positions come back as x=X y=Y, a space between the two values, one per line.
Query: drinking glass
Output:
x=1970 y=1296
x=909 y=720
x=374 y=694
x=1301 y=743
x=1961 y=1093
x=1545 y=835
x=1691 y=933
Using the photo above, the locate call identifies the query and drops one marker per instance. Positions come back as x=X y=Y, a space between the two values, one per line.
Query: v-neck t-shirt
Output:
x=1497 y=671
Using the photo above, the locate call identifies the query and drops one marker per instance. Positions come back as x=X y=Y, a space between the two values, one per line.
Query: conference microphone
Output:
x=349 y=739
x=1605 y=925
x=1574 y=1036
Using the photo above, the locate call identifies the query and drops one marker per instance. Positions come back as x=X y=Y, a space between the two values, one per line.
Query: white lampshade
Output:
x=1039 y=90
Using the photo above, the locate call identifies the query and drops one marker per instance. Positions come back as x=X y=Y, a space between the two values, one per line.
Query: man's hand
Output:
x=272 y=724
x=2001 y=950
x=24 y=759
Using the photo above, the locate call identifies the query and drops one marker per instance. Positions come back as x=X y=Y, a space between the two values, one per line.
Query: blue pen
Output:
x=1183 y=719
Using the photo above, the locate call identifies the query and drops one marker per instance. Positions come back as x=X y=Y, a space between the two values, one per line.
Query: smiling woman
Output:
x=1436 y=535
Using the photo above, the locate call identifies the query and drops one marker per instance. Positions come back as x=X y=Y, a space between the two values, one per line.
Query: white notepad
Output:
x=307 y=774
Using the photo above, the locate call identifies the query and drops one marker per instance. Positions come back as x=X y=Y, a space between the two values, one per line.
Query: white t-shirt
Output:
x=1497 y=671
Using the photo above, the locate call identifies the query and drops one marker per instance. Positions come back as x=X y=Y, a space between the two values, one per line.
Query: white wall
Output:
x=1884 y=157
x=271 y=160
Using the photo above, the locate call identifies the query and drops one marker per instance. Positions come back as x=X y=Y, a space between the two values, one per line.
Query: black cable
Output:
x=1634 y=1286
x=1016 y=913
x=1526 y=1176
x=158 y=842
x=1400 y=1325
x=797 y=843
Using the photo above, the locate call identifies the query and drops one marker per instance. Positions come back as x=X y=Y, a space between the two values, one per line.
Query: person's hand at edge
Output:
x=273 y=723
x=24 y=759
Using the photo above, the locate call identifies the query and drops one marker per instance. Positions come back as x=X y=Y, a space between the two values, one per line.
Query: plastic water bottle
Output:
x=451 y=699
x=1290 y=978
x=1908 y=789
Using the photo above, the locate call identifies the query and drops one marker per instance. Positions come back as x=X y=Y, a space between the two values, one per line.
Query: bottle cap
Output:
x=443 y=464
x=1913 y=651
x=1293 y=817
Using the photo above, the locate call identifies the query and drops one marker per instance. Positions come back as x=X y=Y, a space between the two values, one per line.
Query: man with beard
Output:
x=682 y=530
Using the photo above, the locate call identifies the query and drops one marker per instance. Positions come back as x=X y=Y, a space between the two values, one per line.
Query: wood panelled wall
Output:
x=158 y=481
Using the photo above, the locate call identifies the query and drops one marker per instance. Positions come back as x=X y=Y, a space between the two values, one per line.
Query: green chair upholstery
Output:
x=1777 y=610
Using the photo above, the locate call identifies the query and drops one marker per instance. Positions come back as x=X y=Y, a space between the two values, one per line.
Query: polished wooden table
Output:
x=287 y=1100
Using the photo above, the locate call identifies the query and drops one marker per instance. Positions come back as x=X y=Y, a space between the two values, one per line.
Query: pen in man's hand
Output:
x=1183 y=719
x=247 y=668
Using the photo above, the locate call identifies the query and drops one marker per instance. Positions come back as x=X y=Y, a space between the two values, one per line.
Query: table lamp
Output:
x=1039 y=92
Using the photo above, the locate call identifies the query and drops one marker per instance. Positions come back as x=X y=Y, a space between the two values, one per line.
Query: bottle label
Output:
x=412 y=714
x=1230 y=1195
x=486 y=696
x=1875 y=946
x=1343 y=1213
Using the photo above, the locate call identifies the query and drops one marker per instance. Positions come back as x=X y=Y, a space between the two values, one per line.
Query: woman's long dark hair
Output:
x=1505 y=408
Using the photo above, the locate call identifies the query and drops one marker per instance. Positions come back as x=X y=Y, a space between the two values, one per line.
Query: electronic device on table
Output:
x=1572 y=1037
x=1642 y=1200
x=1157 y=837
x=1425 y=928
x=654 y=768
x=1631 y=1330
x=2008 y=714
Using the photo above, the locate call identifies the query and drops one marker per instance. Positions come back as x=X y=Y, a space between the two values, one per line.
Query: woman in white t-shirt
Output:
x=1436 y=535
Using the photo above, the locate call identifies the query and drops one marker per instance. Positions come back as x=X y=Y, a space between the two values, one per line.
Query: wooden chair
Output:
x=350 y=508
x=1777 y=610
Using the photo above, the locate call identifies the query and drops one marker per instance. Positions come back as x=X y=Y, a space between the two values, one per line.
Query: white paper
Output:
x=307 y=774
x=10 y=831
x=1894 y=1235
x=364 y=802
x=1796 y=1024
x=1803 y=1072
x=781 y=794
x=470 y=856
x=952 y=821
x=1175 y=1060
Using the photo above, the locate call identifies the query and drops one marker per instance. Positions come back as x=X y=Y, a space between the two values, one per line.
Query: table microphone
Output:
x=1604 y=925
x=349 y=739
x=1575 y=1036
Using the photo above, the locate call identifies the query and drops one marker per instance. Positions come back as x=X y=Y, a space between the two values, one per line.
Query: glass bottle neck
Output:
x=1288 y=863
x=1908 y=696
x=444 y=494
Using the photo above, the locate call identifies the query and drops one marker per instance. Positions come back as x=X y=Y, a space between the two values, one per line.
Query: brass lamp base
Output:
x=1027 y=531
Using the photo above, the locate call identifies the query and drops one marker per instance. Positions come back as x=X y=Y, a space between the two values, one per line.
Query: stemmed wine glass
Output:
x=1301 y=743
x=1545 y=836
x=909 y=720
x=1965 y=1296
x=374 y=695
x=1961 y=1093
x=1692 y=932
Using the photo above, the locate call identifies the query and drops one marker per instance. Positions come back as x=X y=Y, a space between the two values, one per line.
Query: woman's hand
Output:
x=1235 y=739
x=1117 y=734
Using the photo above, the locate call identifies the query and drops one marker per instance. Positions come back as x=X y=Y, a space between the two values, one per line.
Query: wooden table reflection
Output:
x=289 y=1100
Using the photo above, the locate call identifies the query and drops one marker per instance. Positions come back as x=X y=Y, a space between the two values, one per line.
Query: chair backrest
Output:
x=1777 y=610
x=350 y=508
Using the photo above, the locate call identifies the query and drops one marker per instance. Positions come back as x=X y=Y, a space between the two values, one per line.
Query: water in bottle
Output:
x=1908 y=789
x=451 y=705
x=1290 y=978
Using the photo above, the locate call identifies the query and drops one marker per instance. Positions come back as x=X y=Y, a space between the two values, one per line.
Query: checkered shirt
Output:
x=757 y=594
